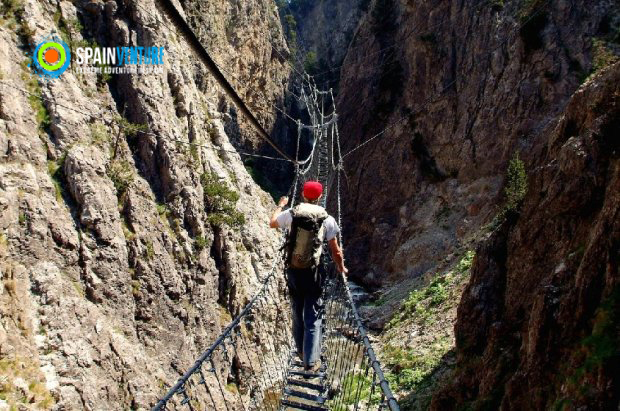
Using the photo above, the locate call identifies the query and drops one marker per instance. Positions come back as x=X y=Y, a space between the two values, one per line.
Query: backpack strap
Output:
x=289 y=244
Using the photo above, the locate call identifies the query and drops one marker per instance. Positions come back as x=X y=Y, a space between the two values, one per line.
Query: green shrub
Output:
x=232 y=387
x=423 y=304
x=99 y=133
x=56 y=171
x=603 y=343
x=311 y=62
x=220 y=202
x=516 y=184
x=15 y=13
x=201 y=242
x=597 y=353
x=437 y=291
x=353 y=383
x=379 y=302
x=419 y=302
x=130 y=129
x=122 y=175
x=602 y=56
x=150 y=251
x=464 y=265
x=75 y=25
x=408 y=368
x=42 y=115
x=129 y=234
x=497 y=5
x=32 y=85
x=195 y=153
x=162 y=210
x=135 y=288
x=290 y=28
x=11 y=7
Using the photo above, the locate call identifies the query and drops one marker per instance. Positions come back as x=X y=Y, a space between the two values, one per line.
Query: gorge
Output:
x=481 y=194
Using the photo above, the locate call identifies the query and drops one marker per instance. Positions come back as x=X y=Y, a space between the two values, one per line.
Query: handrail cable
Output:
x=227 y=331
x=202 y=52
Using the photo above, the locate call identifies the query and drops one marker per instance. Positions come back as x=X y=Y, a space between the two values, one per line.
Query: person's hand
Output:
x=283 y=201
x=344 y=270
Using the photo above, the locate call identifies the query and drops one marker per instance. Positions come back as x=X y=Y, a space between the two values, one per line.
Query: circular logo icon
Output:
x=52 y=57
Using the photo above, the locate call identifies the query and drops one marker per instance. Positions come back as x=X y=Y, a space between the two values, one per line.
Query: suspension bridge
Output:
x=256 y=350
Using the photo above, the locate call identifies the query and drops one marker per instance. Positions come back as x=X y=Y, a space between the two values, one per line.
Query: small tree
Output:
x=122 y=175
x=516 y=183
x=311 y=62
x=220 y=202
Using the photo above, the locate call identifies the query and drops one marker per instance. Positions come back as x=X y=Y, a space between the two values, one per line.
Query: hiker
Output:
x=309 y=226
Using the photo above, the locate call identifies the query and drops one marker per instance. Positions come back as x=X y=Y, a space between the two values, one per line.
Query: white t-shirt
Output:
x=285 y=219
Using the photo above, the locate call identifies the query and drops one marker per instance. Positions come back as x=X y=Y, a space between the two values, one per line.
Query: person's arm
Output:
x=273 y=222
x=337 y=255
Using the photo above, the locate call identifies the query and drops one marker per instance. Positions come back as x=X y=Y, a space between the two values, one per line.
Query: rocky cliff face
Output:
x=538 y=323
x=435 y=72
x=460 y=89
x=321 y=32
x=116 y=268
x=247 y=40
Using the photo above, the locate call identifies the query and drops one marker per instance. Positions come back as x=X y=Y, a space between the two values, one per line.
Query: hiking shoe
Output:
x=314 y=368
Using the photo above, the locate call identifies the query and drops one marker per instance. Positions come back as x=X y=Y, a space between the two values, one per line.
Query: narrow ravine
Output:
x=473 y=147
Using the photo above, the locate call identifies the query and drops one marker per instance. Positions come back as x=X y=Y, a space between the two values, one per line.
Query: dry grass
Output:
x=23 y=384
x=4 y=245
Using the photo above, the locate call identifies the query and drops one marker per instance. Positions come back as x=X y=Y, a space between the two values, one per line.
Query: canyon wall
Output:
x=245 y=38
x=462 y=87
x=538 y=325
x=321 y=31
x=448 y=94
x=119 y=265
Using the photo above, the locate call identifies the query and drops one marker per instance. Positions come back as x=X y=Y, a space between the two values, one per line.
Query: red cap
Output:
x=313 y=190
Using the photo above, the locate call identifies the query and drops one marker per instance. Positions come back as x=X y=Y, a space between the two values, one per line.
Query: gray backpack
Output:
x=305 y=241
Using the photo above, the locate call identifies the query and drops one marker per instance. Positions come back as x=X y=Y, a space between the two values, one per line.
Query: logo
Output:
x=119 y=60
x=51 y=57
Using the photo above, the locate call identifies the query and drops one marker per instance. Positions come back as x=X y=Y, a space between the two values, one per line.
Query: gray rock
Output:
x=115 y=286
